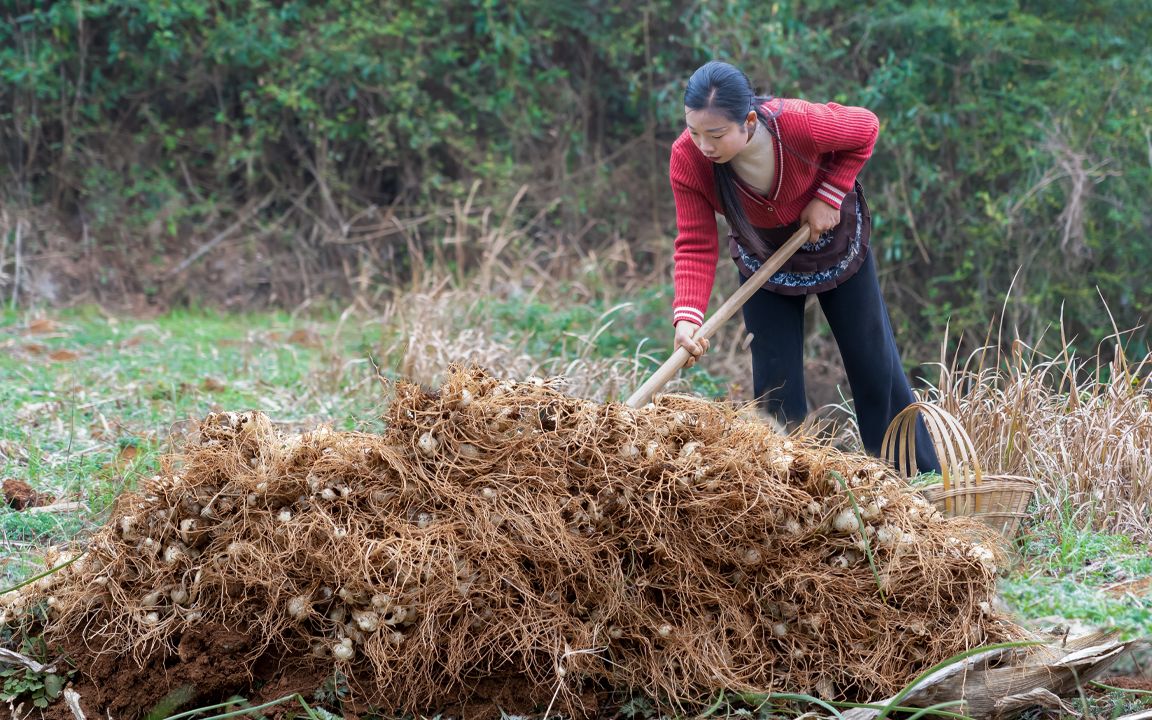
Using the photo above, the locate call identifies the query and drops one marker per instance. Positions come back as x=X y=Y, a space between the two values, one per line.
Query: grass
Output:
x=1081 y=426
x=1083 y=429
x=1070 y=575
x=90 y=403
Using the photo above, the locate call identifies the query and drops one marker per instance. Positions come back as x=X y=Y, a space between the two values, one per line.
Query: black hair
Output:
x=725 y=90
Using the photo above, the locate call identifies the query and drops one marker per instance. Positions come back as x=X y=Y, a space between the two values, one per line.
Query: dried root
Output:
x=505 y=528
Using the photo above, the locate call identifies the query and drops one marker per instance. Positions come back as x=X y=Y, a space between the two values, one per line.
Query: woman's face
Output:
x=717 y=137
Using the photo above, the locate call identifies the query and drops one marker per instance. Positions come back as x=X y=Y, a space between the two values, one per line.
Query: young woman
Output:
x=770 y=165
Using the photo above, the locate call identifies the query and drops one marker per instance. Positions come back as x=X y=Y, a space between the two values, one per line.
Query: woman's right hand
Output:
x=685 y=332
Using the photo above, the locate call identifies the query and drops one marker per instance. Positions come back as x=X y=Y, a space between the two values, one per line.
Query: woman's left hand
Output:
x=820 y=217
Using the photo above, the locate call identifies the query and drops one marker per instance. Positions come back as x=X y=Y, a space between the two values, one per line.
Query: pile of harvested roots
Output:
x=502 y=529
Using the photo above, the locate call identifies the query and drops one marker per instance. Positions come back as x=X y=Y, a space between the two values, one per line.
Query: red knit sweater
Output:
x=832 y=141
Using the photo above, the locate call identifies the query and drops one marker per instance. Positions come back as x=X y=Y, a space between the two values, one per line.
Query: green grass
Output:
x=23 y=536
x=639 y=329
x=1034 y=598
x=25 y=527
x=91 y=425
x=1072 y=574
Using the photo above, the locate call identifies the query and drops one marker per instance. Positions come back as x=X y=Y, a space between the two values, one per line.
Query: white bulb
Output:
x=343 y=650
x=299 y=606
x=428 y=444
x=367 y=620
x=845 y=522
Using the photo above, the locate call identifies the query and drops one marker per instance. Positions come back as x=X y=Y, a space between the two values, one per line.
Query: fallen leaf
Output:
x=9 y=450
x=1140 y=587
x=1039 y=697
x=42 y=326
x=1002 y=683
x=35 y=348
x=64 y=356
x=211 y=384
x=36 y=414
x=304 y=338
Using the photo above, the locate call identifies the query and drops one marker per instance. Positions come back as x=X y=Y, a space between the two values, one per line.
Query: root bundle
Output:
x=505 y=529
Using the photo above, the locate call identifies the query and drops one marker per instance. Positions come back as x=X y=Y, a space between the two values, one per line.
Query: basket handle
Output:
x=952 y=443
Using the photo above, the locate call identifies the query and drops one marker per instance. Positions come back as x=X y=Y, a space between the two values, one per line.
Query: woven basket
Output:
x=998 y=500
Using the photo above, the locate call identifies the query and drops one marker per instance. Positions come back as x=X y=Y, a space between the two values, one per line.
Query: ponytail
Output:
x=729 y=194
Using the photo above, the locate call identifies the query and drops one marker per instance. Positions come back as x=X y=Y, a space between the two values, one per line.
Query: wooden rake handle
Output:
x=734 y=302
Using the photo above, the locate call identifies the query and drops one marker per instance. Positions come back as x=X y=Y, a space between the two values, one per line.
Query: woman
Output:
x=769 y=166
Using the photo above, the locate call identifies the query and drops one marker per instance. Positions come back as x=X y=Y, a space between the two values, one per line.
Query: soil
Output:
x=1129 y=682
x=207 y=665
x=208 y=668
x=509 y=695
x=20 y=495
x=278 y=679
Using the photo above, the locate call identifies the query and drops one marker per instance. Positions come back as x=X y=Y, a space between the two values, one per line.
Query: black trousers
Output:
x=859 y=320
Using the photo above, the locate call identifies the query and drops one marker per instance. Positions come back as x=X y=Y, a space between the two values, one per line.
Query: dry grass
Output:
x=431 y=331
x=483 y=255
x=1082 y=427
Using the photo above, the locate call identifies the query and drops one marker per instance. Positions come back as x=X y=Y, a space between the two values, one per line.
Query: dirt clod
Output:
x=19 y=495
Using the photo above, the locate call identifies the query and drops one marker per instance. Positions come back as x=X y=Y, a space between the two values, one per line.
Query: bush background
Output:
x=247 y=153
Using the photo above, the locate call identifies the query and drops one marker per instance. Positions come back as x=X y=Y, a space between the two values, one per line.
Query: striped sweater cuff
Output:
x=690 y=314
x=831 y=195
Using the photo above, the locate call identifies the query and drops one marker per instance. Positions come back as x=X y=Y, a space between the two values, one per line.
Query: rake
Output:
x=672 y=365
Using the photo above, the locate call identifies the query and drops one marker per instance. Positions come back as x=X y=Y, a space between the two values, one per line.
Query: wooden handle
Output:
x=734 y=302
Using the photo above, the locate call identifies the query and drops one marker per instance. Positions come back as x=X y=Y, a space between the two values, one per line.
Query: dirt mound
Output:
x=19 y=495
x=505 y=529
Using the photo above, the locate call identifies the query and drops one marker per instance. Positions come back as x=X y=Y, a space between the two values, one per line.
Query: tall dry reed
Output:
x=1080 y=426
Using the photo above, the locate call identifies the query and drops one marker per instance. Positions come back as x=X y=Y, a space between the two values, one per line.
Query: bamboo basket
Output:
x=1000 y=501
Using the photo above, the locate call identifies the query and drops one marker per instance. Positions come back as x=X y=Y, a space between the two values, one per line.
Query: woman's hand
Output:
x=820 y=217
x=685 y=330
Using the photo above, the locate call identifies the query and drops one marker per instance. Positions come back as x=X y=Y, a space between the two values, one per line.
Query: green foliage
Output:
x=333 y=691
x=1072 y=572
x=1018 y=145
x=29 y=527
x=1014 y=144
x=388 y=103
x=170 y=703
x=22 y=684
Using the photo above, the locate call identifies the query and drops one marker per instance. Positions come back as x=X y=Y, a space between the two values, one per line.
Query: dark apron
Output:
x=819 y=265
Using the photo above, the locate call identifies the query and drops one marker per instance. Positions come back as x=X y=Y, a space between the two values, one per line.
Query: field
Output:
x=91 y=405
x=315 y=316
